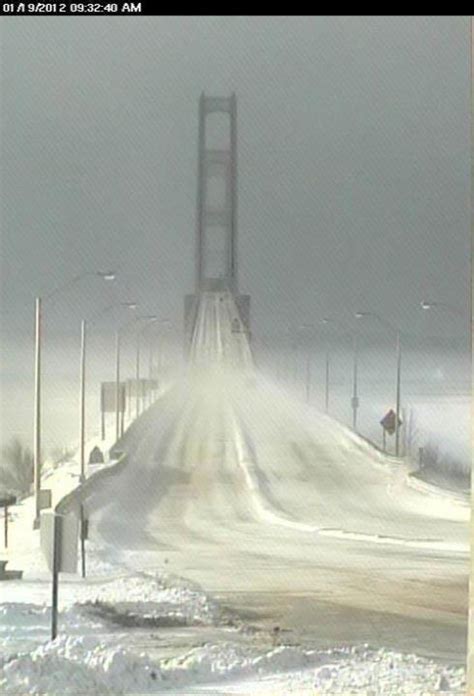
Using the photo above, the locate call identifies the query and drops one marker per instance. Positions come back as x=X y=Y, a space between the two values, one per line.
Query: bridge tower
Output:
x=216 y=248
x=216 y=214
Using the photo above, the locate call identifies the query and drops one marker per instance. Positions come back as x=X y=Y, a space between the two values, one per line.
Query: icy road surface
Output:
x=282 y=513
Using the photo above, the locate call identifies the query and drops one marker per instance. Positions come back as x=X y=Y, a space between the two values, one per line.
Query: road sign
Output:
x=68 y=536
x=107 y=397
x=388 y=422
x=4 y=503
x=45 y=500
x=7 y=500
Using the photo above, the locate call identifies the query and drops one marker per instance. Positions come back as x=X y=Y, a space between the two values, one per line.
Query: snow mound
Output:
x=85 y=665
x=151 y=597
x=78 y=665
x=365 y=672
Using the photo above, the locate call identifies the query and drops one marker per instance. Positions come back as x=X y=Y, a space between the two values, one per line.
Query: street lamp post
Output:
x=118 y=333
x=443 y=306
x=82 y=402
x=355 y=351
x=159 y=345
x=137 y=376
x=397 y=406
x=117 y=384
x=355 y=394
x=82 y=399
x=308 y=376
x=151 y=359
x=105 y=275
x=361 y=315
x=139 y=396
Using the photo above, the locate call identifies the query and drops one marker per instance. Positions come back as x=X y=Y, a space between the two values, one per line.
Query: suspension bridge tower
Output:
x=216 y=215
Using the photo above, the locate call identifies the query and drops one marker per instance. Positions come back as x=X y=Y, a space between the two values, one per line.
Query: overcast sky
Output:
x=353 y=150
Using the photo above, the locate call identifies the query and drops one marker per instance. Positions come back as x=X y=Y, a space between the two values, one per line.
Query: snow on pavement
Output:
x=71 y=666
x=91 y=656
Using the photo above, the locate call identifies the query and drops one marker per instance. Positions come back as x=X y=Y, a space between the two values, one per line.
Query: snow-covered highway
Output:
x=282 y=513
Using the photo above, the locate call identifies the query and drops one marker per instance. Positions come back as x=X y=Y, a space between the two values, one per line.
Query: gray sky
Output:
x=353 y=146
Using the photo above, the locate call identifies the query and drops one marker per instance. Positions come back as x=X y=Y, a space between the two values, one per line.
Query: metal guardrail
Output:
x=79 y=494
x=423 y=486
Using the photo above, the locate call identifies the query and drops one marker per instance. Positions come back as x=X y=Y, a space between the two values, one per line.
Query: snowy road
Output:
x=283 y=514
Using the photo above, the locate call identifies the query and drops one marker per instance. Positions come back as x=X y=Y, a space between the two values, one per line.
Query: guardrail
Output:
x=79 y=494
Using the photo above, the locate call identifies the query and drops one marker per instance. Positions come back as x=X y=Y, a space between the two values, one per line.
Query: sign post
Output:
x=58 y=537
x=83 y=530
x=390 y=424
x=4 y=503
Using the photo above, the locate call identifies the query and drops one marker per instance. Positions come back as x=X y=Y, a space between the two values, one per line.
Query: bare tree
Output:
x=16 y=467
x=444 y=464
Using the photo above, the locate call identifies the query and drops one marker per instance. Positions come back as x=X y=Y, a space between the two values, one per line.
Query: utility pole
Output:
x=37 y=413
x=355 y=397
x=117 y=385
x=326 y=399
x=151 y=390
x=82 y=403
x=138 y=390
x=105 y=275
x=397 y=409
x=308 y=376
x=361 y=315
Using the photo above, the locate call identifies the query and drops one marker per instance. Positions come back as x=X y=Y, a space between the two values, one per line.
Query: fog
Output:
x=353 y=185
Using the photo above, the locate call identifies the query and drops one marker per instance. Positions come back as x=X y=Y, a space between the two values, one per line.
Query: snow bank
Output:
x=84 y=665
x=86 y=609
x=153 y=597
x=364 y=672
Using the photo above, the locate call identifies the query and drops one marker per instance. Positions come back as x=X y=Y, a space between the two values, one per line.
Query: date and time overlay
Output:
x=124 y=7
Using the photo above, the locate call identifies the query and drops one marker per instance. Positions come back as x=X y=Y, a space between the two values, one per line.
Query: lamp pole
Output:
x=82 y=372
x=326 y=393
x=355 y=352
x=82 y=402
x=137 y=376
x=151 y=359
x=37 y=412
x=308 y=377
x=117 y=384
x=362 y=315
x=150 y=319
x=164 y=323
x=37 y=431
x=355 y=395
x=443 y=306
x=397 y=408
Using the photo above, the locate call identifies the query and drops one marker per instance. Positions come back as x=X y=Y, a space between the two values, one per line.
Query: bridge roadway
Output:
x=283 y=514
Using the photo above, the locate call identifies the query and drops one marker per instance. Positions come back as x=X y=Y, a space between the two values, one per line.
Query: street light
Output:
x=362 y=315
x=82 y=390
x=442 y=305
x=118 y=336
x=104 y=275
x=150 y=319
x=355 y=347
x=305 y=327
x=151 y=361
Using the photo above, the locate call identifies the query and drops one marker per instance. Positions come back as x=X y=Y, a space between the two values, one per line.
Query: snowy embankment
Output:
x=87 y=665
x=95 y=652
